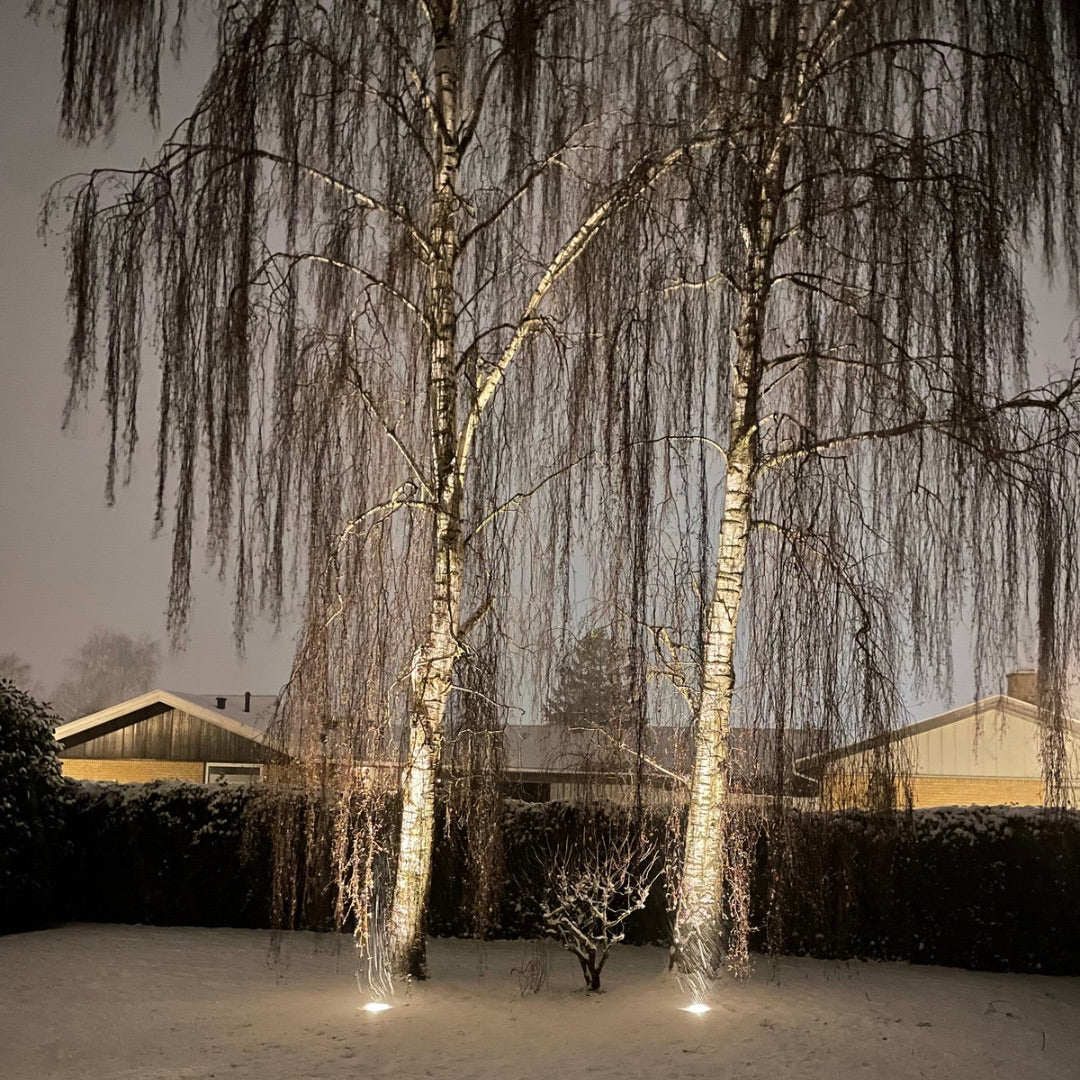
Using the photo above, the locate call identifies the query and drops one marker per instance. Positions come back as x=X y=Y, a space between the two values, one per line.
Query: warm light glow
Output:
x=697 y=1008
x=376 y=1006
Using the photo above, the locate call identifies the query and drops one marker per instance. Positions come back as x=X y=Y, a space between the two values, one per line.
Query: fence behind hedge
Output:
x=980 y=887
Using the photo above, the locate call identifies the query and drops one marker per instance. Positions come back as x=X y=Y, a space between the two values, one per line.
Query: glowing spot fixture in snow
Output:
x=376 y=1006
x=697 y=1008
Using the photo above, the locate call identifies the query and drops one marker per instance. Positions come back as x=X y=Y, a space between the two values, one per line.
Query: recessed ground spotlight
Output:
x=377 y=1006
x=697 y=1008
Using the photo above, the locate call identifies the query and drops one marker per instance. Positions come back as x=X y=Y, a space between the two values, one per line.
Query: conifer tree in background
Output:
x=589 y=688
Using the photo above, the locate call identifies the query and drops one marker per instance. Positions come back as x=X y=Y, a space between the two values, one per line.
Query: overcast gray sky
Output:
x=68 y=564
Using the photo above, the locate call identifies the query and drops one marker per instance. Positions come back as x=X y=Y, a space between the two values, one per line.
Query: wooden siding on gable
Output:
x=172 y=735
x=993 y=744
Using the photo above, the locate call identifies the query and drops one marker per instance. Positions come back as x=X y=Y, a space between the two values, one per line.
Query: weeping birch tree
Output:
x=855 y=448
x=739 y=285
x=365 y=228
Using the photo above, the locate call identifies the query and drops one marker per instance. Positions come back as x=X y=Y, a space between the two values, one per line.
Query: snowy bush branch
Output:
x=592 y=892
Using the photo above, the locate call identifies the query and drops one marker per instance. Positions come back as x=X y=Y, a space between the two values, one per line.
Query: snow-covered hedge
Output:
x=979 y=887
x=167 y=852
x=30 y=787
x=994 y=888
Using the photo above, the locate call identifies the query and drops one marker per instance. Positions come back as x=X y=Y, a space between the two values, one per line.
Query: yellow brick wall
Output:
x=849 y=790
x=983 y=791
x=132 y=770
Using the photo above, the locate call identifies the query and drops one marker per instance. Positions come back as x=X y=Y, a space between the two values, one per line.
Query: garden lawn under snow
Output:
x=154 y=1003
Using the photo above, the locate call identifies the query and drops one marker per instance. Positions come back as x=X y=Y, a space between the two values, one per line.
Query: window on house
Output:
x=529 y=790
x=224 y=773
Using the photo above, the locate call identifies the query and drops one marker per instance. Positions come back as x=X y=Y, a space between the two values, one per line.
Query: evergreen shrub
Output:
x=30 y=792
x=984 y=887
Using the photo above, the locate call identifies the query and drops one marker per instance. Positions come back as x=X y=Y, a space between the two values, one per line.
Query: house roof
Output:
x=529 y=748
x=553 y=748
x=996 y=706
x=258 y=716
x=249 y=725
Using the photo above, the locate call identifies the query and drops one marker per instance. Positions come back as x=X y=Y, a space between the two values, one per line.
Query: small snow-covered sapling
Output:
x=592 y=891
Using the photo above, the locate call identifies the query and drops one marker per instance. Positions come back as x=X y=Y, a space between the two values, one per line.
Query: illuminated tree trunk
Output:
x=698 y=930
x=431 y=678
x=700 y=912
x=431 y=675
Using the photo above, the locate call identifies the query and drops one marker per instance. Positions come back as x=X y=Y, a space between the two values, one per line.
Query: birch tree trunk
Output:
x=699 y=928
x=432 y=669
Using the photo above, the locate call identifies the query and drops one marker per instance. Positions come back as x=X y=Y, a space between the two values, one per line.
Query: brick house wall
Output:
x=132 y=770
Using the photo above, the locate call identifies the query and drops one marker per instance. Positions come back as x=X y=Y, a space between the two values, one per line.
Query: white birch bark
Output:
x=432 y=669
x=700 y=912
x=698 y=928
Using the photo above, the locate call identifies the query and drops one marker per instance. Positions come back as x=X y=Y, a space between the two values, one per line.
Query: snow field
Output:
x=103 y=1002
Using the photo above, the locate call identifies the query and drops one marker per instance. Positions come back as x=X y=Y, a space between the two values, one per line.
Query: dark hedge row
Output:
x=533 y=834
x=165 y=853
x=979 y=887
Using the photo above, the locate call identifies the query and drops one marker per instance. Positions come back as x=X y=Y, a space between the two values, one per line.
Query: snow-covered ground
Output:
x=155 y=1003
